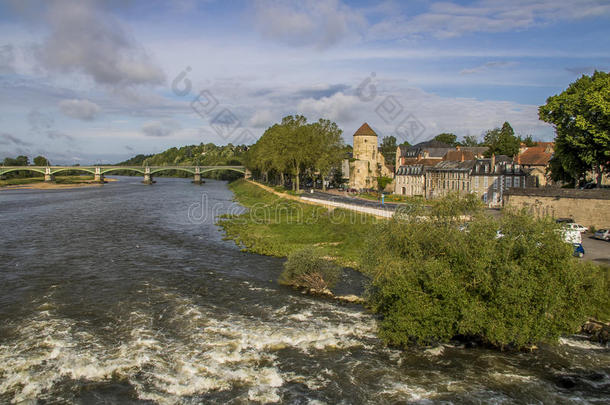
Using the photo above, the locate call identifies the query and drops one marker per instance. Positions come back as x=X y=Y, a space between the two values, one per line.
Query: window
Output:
x=509 y=182
x=476 y=182
x=485 y=182
x=516 y=181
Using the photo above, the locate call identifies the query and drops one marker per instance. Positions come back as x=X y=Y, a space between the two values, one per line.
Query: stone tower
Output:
x=367 y=163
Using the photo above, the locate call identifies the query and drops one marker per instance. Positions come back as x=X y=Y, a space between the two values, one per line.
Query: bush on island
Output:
x=307 y=269
x=434 y=279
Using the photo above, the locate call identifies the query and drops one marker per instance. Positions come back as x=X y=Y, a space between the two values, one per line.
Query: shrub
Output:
x=306 y=268
x=432 y=282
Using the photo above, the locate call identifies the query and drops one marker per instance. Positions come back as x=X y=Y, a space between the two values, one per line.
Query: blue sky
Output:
x=99 y=81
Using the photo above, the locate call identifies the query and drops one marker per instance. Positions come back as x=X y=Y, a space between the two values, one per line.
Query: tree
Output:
x=327 y=147
x=448 y=138
x=470 y=140
x=22 y=161
x=581 y=117
x=502 y=141
x=41 y=161
x=431 y=281
x=528 y=141
x=388 y=149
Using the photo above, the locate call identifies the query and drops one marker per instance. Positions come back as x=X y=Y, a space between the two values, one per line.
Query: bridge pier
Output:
x=99 y=178
x=48 y=176
x=148 y=179
x=197 y=180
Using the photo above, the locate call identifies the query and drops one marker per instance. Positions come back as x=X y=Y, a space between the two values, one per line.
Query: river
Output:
x=128 y=293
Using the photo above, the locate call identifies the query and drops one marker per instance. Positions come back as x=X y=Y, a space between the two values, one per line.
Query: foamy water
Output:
x=111 y=295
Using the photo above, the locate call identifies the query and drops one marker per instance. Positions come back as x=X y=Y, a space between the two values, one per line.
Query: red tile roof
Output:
x=536 y=155
x=365 y=130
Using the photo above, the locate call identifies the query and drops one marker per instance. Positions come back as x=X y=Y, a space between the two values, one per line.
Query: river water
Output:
x=127 y=294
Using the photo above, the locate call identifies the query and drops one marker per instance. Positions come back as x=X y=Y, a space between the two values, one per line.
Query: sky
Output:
x=87 y=81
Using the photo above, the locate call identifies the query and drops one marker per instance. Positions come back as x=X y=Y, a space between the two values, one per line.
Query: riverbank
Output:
x=61 y=182
x=277 y=225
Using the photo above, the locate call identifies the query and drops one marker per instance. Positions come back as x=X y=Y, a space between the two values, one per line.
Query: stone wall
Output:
x=586 y=207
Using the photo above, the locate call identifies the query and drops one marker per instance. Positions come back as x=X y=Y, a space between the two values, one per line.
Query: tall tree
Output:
x=502 y=141
x=581 y=117
x=41 y=161
x=388 y=149
x=446 y=137
x=327 y=147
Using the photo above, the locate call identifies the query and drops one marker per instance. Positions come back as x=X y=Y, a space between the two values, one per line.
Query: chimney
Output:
x=493 y=162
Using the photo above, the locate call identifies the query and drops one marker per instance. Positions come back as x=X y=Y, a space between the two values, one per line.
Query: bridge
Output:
x=98 y=171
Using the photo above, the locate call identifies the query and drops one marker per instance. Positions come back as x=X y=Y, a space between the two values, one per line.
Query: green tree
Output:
x=502 y=141
x=388 y=149
x=22 y=161
x=581 y=117
x=448 y=138
x=327 y=148
x=470 y=140
x=41 y=161
x=432 y=281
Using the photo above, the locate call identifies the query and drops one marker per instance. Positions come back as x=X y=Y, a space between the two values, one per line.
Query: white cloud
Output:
x=80 y=109
x=487 y=66
x=321 y=23
x=338 y=107
x=162 y=128
x=85 y=38
x=447 y=19
x=261 y=119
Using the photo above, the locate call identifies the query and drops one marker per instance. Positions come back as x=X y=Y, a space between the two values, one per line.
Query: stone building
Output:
x=367 y=163
x=491 y=178
x=447 y=177
x=410 y=180
x=535 y=159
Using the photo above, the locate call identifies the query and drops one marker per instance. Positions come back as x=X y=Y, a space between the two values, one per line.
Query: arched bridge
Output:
x=99 y=171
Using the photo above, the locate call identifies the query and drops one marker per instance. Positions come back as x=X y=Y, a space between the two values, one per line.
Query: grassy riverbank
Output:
x=276 y=226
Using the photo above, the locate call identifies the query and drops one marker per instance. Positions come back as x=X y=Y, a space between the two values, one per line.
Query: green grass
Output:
x=276 y=226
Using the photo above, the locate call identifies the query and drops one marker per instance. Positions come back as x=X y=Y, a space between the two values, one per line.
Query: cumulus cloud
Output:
x=80 y=109
x=8 y=139
x=160 y=128
x=338 y=107
x=87 y=39
x=261 y=119
x=319 y=23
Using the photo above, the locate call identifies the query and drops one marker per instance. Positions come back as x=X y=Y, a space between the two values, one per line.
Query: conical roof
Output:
x=365 y=130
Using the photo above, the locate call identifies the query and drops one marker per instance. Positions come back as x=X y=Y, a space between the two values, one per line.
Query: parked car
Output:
x=571 y=236
x=564 y=220
x=575 y=227
x=579 y=251
x=603 y=234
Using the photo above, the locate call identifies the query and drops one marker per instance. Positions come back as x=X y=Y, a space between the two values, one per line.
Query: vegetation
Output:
x=295 y=147
x=581 y=117
x=276 y=226
x=192 y=155
x=448 y=138
x=502 y=141
x=433 y=281
x=388 y=149
x=307 y=268
x=16 y=181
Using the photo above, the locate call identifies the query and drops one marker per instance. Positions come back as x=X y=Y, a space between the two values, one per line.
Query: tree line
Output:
x=294 y=147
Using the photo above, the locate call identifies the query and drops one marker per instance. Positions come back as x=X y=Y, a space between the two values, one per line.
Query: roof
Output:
x=415 y=161
x=432 y=144
x=477 y=150
x=503 y=166
x=458 y=155
x=446 y=165
x=410 y=170
x=536 y=155
x=365 y=130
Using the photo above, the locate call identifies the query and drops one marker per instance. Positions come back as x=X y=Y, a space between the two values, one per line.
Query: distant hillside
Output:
x=202 y=155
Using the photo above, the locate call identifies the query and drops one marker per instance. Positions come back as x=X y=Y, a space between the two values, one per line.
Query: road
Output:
x=596 y=250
